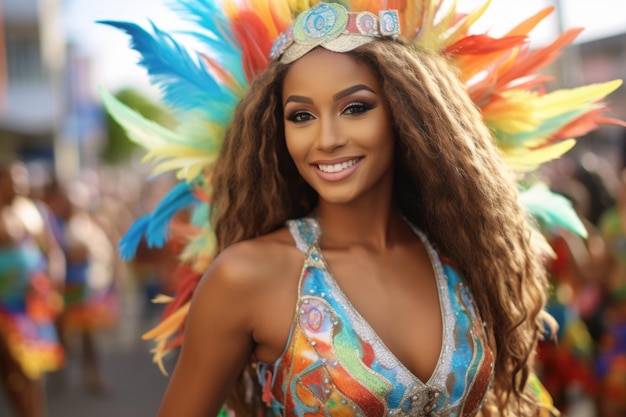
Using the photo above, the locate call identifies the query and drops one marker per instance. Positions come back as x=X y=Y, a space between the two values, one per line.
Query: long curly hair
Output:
x=450 y=181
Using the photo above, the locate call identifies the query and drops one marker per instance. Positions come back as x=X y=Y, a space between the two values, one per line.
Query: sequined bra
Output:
x=335 y=364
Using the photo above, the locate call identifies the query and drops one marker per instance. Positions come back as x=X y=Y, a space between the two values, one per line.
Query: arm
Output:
x=217 y=342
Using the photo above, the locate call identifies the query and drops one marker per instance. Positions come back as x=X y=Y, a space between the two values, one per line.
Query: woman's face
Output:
x=338 y=127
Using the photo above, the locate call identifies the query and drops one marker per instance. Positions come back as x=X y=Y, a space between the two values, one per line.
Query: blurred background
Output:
x=81 y=167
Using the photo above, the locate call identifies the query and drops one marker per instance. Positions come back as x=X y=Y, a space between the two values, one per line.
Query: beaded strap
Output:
x=305 y=233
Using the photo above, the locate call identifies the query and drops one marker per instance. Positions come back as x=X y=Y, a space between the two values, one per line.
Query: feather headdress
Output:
x=530 y=125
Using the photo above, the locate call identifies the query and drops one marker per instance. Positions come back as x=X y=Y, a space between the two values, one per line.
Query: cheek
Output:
x=378 y=137
x=295 y=146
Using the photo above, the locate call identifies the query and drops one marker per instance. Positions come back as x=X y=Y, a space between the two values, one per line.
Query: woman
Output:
x=372 y=254
x=377 y=260
x=89 y=291
x=29 y=302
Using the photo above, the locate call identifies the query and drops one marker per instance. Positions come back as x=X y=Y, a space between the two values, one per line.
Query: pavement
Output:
x=134 y=384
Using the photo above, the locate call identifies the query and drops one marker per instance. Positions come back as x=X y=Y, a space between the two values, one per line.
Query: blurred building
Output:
x=33 y=45
x=594 y=62
x=45 y=115
x=605 y=59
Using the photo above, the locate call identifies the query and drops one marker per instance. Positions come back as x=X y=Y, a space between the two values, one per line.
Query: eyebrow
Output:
x=338 y=96
x=351 y=90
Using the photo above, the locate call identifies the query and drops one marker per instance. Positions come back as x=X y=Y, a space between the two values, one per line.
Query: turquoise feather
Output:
x=551 y=209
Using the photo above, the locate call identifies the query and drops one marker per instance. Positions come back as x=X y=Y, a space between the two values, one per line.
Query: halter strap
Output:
x=305 y=233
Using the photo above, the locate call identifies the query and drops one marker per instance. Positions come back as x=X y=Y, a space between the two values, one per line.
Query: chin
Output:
x=339 y=197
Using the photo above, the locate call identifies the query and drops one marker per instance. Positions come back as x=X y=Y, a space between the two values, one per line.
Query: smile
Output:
x=337 y=167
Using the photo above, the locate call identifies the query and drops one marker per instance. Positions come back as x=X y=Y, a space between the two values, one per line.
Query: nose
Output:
x=331 y=136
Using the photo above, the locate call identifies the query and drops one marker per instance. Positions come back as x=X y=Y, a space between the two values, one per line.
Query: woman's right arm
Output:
x=218 y=339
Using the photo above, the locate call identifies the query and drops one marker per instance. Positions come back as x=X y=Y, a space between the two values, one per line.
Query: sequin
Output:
x=315 y=319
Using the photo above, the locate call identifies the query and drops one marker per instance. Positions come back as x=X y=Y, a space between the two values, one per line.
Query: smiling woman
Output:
x=365 y=251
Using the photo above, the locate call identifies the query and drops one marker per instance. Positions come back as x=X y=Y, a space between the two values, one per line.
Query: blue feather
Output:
x=186 y=83
x=176 y=199
x=209 y=15
x=219 y=39
x=130 y=242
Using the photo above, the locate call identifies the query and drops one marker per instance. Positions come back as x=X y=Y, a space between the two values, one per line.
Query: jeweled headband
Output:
x=333 y=27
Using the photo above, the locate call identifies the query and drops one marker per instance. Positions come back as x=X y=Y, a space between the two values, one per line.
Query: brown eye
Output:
x=300 y=116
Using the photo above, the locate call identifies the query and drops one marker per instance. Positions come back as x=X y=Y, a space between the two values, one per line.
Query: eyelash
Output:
x=362 y=107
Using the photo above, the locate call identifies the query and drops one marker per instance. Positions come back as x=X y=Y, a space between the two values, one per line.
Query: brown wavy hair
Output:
x=450 y=181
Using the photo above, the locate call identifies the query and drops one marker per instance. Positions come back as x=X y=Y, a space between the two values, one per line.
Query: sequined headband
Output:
x=331 y=25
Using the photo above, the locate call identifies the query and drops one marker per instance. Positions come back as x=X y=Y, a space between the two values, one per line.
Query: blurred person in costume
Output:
x=611 y=363
x=566 y=368
x=91 y=301
x=364 y=246
x=29 y=301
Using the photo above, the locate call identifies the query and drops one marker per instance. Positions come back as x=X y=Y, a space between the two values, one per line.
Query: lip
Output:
x=336 y=176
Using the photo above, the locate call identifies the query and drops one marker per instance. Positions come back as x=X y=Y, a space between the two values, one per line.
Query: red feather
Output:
x=253 y=36
x=188 y=279
x=483 y=44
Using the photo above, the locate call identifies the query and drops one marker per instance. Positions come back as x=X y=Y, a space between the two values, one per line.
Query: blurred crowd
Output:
x=62 y=279
x=585 y=362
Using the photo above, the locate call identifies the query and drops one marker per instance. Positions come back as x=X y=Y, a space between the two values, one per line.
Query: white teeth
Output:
x=337 y=167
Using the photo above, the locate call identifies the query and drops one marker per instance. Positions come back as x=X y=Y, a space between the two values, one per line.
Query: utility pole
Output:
x=569 y=64
x=3 y=64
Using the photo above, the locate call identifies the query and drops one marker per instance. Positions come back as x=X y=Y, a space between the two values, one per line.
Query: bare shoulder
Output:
x=253 y=265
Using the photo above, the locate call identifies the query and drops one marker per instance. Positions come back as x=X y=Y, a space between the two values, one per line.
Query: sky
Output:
x=115 y=64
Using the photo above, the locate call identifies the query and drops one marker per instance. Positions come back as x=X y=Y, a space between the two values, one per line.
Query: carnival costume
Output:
x=319 y=370
x=239 y=39
x=29 y=303
x=90 y=298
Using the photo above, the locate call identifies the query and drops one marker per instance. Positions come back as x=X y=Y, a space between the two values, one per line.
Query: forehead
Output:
x=322 y=71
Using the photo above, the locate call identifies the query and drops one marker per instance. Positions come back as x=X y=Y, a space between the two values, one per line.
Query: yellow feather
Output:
x=462 y=28
x=187 y=161
x=162 y=299
x=169 y=325
x=526 y=160
x=560 y=101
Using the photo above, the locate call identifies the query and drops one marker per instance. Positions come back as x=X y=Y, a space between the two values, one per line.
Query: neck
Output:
x=376 y=224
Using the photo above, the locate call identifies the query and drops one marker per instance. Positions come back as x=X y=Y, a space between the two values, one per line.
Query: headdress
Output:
x=238 y=40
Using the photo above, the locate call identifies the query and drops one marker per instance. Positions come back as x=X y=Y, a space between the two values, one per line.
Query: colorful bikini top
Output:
x=335 y=364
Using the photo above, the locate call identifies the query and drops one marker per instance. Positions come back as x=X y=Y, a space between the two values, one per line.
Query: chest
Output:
x=397 y=295
x=335 y=360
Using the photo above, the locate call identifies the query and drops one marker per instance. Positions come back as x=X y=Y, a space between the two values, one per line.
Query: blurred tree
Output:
x=119 y=147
